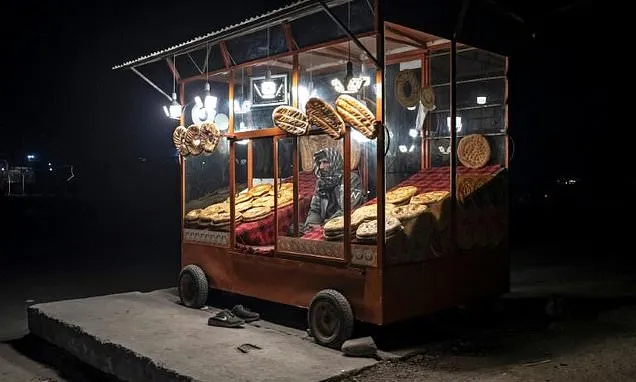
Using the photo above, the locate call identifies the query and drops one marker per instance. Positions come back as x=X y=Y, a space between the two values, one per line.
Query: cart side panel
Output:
x=286 y=281
x=413 y=290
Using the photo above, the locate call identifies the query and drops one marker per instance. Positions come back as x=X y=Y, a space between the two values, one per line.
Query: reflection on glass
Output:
x=258 y=90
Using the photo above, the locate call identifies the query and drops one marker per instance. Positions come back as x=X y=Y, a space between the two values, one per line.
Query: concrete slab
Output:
x=148 y=336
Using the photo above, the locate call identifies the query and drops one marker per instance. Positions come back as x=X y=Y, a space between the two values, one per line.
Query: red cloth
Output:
x=261 y=232
x=434 y=179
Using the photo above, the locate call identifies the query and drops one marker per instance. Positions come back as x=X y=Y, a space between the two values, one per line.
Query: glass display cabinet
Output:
x=355 y=165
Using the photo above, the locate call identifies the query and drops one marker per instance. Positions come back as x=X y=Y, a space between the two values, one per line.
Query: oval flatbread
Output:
x=193 y=215
x=427 y=98
x=429 y=197
x=368 y=230
x=325 y=117
x=218 y=207
x=210 y=135
x=356 y=115
x=473 y=151
x=193 y=139
x=290 y=120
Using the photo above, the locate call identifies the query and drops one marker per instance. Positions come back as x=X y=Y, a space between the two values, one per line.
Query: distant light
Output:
x=31 y=157
x=49 y=163
x=50 y=169
x=402 y=148
x=546 y=196
x=481 y=100
x=203 y=163
x=3 y=169
x=412 y=148
x=413 y=133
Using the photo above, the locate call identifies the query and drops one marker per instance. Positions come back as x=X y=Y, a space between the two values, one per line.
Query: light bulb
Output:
x=481 y=100
x=268 y=86
x=209 y=102
x=402 y=148
x=174 y=110
x=458 y=123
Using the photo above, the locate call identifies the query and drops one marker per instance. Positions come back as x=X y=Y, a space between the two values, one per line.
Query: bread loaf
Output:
x=356 y=115
x=290 y=120
x=324 y=116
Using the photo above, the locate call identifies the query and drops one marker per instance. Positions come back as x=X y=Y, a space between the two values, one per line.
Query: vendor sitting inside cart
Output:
x=328 y=199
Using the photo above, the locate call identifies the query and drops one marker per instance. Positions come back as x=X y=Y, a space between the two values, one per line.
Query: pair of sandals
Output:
x=235 y=318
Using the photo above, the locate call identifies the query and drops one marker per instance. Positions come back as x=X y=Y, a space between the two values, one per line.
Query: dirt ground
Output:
x=589 y=343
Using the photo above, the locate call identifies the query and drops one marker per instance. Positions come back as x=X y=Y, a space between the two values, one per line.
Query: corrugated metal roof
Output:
x=197 y=41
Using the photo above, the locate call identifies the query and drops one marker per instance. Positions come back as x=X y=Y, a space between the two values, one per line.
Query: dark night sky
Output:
x=66 y=104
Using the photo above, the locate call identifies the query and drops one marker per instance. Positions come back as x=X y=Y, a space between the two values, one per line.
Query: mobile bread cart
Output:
x=417 y=126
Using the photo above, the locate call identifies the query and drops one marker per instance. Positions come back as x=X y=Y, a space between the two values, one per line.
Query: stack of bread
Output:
x=368 y=231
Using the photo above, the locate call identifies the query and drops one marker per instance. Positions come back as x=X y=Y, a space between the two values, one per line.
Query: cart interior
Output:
x=425 y=226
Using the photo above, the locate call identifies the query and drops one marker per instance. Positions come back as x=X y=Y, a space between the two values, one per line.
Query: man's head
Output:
x=328 y=163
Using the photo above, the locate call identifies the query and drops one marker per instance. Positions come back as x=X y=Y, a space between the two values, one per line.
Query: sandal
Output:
x=225 y=319
x=245 y=313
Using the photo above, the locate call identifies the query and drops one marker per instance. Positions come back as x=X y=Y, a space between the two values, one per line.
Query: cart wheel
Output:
x=193 y=286
x=330 y=318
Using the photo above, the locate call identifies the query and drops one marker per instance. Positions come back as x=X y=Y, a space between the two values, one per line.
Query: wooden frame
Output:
x=379 y=294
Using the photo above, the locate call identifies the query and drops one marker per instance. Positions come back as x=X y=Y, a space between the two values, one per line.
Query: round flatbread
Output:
x=407 y=88
x=260 y=189
x=264 y=201
x=210 y=135
x=337 y=224
x=473 y=151
x=241 y=207
x=427 y=98
x=401 y=195
x=178 y=138
x=409 y=211
x=194 y=138
x=256 y=213
x=218 y=207
x=370 y=212
x=429 y=197
x=369 y=229
x=241 y=198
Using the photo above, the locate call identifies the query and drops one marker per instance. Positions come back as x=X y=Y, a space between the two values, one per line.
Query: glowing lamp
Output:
x=174 y=110
x=350 y=84
x=458 y=123
x=481 y=100
x=268 y=86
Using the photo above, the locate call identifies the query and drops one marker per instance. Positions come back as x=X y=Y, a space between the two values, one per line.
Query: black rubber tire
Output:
x=339 y=309
x=193 y=286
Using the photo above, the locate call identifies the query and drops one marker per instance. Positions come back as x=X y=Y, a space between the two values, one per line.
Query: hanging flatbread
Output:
x=473 y=151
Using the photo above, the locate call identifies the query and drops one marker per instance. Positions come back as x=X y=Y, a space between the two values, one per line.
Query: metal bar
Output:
x=453 y=147
x=137 y=72
x=346 y=30
x=482 y=79
x=290 y=13
x=252 y=63
x=250 y=158
x=173 y=68
x=182 y=181
x=507 y=140
x=380 y=180
x=347 y=195
x=276 y=181
x=289 y=37
x=232 y=160
x=416 y=41
x=194 y=63
x=227 y=59
x=295 y=151
x=468 y=108
x=424 y=143
x=432 y=138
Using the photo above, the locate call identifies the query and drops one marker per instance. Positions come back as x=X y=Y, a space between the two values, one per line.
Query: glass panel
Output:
x=417 y=163
x=256 y=96
x=286 y=226
x=206 y=190
x=481 y=148
x=254 y=45
x=253 y=207
x=319 y=28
